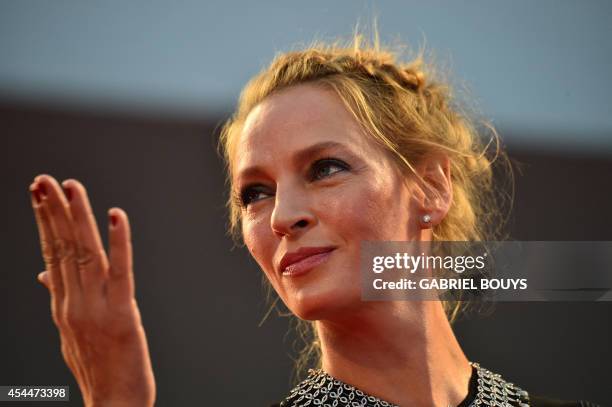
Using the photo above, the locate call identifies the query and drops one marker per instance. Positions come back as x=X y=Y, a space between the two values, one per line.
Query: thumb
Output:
x=43 y=278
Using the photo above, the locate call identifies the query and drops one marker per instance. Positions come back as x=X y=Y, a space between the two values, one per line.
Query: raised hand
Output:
x=92 y=296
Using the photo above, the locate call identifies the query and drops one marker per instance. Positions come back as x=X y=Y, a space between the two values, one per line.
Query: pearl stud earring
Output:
x=426 y=218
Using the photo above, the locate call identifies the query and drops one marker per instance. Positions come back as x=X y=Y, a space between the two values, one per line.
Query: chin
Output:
x=324 y=304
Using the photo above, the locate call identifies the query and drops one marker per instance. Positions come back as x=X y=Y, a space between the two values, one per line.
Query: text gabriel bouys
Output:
x=452 y=284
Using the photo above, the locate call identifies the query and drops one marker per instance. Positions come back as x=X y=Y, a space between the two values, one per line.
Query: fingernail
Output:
x=113 y=219
x=36 y=194
x=42 y=189
x=68 y=192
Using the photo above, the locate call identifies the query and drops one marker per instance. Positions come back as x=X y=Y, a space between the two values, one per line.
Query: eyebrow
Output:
x=299 y=157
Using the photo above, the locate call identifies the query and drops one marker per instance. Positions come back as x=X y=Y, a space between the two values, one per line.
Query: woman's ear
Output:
x=436 y=187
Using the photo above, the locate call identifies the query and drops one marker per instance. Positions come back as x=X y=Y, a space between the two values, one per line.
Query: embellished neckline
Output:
x=320 y=388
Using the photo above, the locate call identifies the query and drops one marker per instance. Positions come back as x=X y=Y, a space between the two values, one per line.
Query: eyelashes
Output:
x=319 y=170
x=327 y=163
x=251 y=193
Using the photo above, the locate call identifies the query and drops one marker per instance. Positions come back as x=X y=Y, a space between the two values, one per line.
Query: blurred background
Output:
x=128 y=96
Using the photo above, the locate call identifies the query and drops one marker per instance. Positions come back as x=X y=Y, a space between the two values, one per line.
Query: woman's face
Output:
x=313 y=184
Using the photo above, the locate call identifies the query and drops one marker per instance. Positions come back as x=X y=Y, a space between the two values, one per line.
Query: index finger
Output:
x=46 y=244
x=64 y=241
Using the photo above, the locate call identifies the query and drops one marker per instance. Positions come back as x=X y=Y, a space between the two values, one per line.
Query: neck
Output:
x=402 y=352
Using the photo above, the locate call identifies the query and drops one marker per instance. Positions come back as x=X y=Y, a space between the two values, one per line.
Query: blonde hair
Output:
x=408 y=112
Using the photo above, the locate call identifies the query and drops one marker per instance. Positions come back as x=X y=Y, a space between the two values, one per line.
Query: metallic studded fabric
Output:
x=321 y=389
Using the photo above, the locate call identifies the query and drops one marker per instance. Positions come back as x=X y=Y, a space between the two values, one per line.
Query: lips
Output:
x=303 y=259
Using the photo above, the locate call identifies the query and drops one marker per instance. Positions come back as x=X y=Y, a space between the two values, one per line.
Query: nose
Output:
x=291 y=215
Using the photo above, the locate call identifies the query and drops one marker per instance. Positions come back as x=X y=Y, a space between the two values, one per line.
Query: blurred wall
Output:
x=202 y=302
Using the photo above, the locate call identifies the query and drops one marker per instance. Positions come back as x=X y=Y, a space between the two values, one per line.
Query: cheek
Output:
x=370 y=211
x=260 y=242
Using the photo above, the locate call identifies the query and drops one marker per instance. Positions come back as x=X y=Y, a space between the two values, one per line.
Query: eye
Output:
x=326 y=167
x=252 y=194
